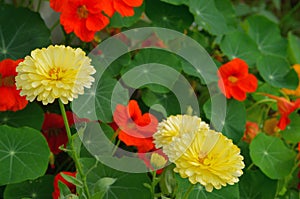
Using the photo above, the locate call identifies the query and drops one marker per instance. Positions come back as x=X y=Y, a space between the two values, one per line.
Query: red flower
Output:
x=54 y=129
x=125 y=7
x=135 y=129
x=58 y=177
x=285 y=108
x=235 y=81
x=250 y=132
x=83 y=17
x=11 y=99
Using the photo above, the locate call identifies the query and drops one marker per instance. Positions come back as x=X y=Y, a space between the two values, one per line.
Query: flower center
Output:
x=233 y=79
x=82 y=12
x=56 y=73
x=204 y=159
x=7 y=81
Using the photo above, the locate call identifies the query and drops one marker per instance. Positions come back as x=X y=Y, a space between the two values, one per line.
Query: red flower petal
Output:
x=248 y=84
x=12 y=100
x=133 y=3
x=235 y=81
x=57 y=5
x=142 y=144
x=58 y=177
x=135 y=129
x=96 y=22
x=238 y=93
x=123 y=8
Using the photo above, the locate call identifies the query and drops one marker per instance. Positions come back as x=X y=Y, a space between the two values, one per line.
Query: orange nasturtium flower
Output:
x=235 y=81
x=10 y=97
x=83 y=17
x=297 y=91
x=125 y=7
x=251 y=131
x=135 y=129
x=58 y=177
x=285 y=108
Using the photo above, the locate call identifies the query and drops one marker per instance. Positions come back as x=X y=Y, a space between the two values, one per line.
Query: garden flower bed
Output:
x=149 y=99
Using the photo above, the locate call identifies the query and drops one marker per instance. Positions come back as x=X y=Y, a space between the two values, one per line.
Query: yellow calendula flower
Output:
x=175 y=127
x=203 y=156
x=54 y=72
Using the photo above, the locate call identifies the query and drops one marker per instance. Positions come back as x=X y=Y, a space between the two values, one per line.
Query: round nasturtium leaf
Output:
x=207 y=16
x=239 y=44
x=229 y=191
x=32 y=116
x=272 y=156
x=24 y=154
x=21 y=31
x=168 y=16
x=39 y=188
x=112 y=183
x=292 y=132
x=293 y=48
x=253 y=184
x=235 y=118
x=276 y=71
x=266 y=35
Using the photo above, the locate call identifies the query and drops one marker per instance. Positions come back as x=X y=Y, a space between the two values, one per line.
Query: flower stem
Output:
x=187 y=193
x=73 y=152
x=153 y=183
x=116 y=147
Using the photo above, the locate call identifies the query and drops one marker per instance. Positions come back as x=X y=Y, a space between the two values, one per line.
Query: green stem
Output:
x=153 y=183
x=260 y=102
x=39 y=6
x=250 y=166
x=294 y=9
x=72 y=151
x=54 y=25
x=187 y=193
x=116 y=147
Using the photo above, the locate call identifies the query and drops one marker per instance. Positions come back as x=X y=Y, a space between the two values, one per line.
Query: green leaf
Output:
x=21 y=31
x=99 y=102
x=174 y=17
x=226 y=8
x=272 y=156
x=175 y=2
x=267 y=36
x=198 y=191
x=154 y=69
x=39 y=188
x=293 y=48
x=239 y=44
x=292 y=131
x=107 y=98
x=118 y=181
x=207 y=16
x=165 y=103
x=253 y=184
x=276 y=70
x=117 y=21
x=64 y=190
x=234 y=125
x=24 y=154
x=102 y=186
x=167 y=181
x=31 y=116
x=72 y=180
